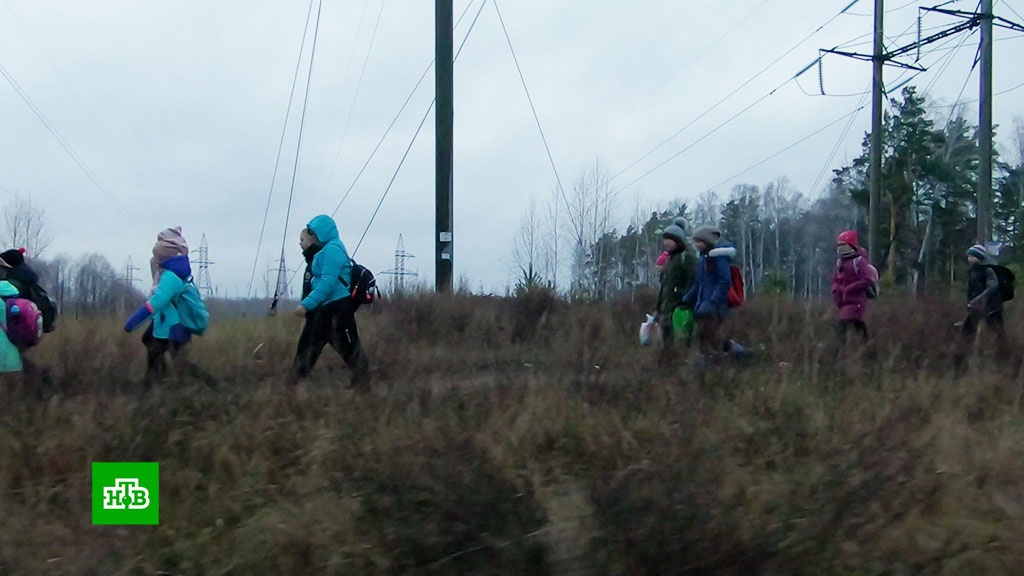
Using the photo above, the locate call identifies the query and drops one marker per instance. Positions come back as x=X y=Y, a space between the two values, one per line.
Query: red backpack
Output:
x=736 y=288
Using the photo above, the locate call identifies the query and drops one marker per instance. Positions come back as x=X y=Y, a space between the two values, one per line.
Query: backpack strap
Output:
x=344 y=281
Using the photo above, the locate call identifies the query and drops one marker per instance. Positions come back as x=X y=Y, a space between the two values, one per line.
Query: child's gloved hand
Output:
x=140 y=316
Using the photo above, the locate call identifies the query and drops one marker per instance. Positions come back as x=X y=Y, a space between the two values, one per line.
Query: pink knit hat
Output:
x=169 y=242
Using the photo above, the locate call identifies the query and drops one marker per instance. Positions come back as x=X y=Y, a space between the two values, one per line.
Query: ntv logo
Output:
x=125 y=493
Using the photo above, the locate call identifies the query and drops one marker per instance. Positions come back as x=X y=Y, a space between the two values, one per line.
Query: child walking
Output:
x=677 y=275
x=984 y=302
x=326 y=303
x=171 y=272
x=709 y=295
x=851 y=282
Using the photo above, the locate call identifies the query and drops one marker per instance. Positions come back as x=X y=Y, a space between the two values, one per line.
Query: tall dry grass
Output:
x=527 y=436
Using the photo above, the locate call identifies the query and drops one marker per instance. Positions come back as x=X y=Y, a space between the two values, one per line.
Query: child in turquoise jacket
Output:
x=10 y=357
x=326 y=304
x=165 y=333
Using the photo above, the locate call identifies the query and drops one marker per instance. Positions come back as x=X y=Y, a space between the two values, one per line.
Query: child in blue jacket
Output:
x=709 y=295
x=326 y=303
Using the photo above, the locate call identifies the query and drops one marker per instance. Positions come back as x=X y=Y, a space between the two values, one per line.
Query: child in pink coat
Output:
x=850 y=284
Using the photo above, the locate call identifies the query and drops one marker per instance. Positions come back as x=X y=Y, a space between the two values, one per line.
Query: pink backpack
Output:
x=24 y=325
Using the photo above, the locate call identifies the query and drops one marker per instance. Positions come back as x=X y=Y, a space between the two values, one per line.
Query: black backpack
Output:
x=362 y=286
x=1006 y=281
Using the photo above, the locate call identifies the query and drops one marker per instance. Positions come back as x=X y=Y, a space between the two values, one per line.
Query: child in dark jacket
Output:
x=850 y=284
x=326 y=303
x=16 y=270
x=984 y=302
x=677 y=276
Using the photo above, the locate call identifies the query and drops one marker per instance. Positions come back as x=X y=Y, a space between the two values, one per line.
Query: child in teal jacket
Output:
x=10 y=357
x=165 y=333
x=326 y=303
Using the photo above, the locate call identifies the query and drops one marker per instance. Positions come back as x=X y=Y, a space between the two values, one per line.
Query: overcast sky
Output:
x=176 y=110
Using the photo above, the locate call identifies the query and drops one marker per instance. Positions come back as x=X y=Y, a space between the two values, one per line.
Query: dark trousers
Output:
x=844 y=327
x=332 y=323
x=969 y=330
x=156 y=348
x=974 y=319
x=709 y=334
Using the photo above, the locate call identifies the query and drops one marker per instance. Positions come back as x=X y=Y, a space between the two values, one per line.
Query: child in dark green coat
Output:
x=677 y=275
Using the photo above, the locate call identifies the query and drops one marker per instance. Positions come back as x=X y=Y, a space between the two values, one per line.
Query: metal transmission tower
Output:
x=203 y=262
x=129 y=282
x=281 y=289
x=129 y=274
x=399 y=273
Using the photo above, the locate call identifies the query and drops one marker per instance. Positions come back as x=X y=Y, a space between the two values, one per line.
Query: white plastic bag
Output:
x=647 y=330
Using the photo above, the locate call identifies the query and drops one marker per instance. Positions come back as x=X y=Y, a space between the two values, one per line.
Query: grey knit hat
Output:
x=707 y=234
x=676 y=231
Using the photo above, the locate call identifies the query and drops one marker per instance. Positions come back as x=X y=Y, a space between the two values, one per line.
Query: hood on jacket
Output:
x=13 y=257
x=707 y=234
x=723 y=249
x=848 y=237
x=324 y=228
x=179 y=265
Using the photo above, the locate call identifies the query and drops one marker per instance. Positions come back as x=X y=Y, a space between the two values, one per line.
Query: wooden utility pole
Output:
x=444 y=116
x=985 y=126
x=875 y=164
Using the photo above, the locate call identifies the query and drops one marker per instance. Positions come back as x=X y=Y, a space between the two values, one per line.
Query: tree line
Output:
x=785 y=237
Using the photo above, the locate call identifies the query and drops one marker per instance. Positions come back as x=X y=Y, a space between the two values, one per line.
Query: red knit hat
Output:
x=848 y=237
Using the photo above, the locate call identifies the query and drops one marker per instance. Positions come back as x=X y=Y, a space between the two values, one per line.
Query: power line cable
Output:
x=302 y=124
x=868 y=38
x=355 y=96
x=709 y=133
x=952 y=111
x=846 y=116
x=529 y=99
x=408 y=148
x=839 y=142
x=1009 y=89
x=889 y=11
x=60 y=75
x=949 y=59
x=67 y=147
x=280 y=147
x=415 y=135
x=737 y=89
x=1010 y=8
x=678 y=70
x=400 y=110
x=344 y=83
x=393 y=176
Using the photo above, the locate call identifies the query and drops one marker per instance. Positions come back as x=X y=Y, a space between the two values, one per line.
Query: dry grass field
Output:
x=527 y=436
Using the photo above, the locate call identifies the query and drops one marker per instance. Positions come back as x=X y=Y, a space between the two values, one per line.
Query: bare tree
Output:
x=708 y=209
x=1018 y=139
x=24 y=226
x=526 y=248
x=591 y=206
x=95 y=284
x=550 y=238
